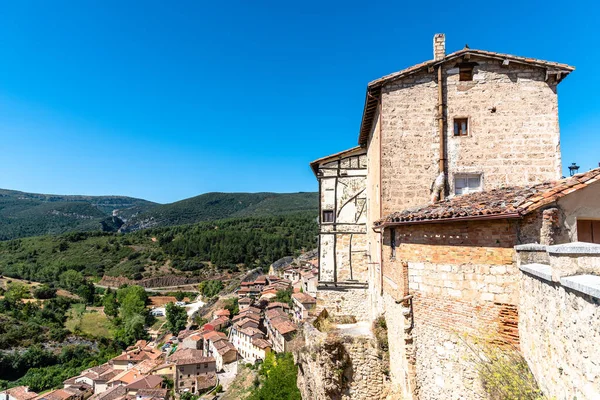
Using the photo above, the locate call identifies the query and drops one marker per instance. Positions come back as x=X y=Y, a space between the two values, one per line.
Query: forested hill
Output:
x=214 y=206
x=30 y=214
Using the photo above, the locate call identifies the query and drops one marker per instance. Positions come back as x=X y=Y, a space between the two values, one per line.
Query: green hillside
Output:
x=213 y=206
x=200 y=249
x=30 y=214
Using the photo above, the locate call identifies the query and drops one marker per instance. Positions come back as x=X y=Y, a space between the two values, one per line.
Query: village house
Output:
x=145 y=382
x=242 y=339
x=303 y=305
x=221 y=313
x=194 y=341
x=309 y=281
x=63 y=394
x=280 y=330
x=244 y=303
x=190 y=365
x=18 y=393
x=292 y=274
x=217 y=324
x=458 y=162
x=96 y=377
x=218 y=346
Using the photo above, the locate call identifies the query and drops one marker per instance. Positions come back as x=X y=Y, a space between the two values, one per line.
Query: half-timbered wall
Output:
x=343 y=217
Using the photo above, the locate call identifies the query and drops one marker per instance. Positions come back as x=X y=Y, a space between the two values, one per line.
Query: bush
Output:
x=503 y=371
x=44 y=292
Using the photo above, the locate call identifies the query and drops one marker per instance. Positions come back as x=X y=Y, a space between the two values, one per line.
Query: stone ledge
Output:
x=531 y=247
x=588 y=284
x=540 y=270
x=575 y=248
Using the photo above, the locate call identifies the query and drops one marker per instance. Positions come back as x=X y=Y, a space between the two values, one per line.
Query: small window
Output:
x=461 y=126
x=465 y=72
x=327 y=216
x=464 y=184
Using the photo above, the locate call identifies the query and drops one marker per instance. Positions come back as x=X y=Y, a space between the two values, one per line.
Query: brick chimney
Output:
x=439 y=46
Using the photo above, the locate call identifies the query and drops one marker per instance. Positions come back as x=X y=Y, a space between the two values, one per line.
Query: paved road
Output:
x=158 y=290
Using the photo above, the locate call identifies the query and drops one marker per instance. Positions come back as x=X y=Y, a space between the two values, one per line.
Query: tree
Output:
x=132 y=301
x=233 y=306
x=131 y=329
x=279 y=378
x=16 y=291
x=111 y=308
x=176 y=318
x=210 y=288
x=284 y=296
x=132 y=314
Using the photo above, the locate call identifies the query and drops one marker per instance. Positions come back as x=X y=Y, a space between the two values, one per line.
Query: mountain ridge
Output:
x=24 y=214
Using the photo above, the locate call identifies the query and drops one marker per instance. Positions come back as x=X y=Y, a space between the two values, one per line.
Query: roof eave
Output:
x=512 y=215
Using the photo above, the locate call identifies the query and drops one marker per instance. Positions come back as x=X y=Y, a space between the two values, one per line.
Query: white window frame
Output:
x=468 y=176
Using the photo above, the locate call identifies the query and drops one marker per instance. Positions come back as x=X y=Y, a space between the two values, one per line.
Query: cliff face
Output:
x=339 y=366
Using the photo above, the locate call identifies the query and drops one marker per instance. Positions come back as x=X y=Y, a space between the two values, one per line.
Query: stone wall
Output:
x=443 y=283
x=559 y=323
x=513 y=130
x=339 y=367
x=344 y=301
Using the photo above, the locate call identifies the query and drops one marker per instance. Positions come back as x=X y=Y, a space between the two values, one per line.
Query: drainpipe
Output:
x=438 y=189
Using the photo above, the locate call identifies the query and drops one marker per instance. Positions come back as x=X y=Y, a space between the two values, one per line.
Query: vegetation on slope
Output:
x=215 y=206
x=199 y=249
x=31 y=214
x=278 y=379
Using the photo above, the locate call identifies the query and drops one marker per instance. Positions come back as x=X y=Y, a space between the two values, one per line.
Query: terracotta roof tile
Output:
x=304 y=298
x=21 y=393
x=503 y=202
x=261 y=343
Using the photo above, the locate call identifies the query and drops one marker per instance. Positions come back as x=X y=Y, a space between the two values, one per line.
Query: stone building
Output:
x=462 y=165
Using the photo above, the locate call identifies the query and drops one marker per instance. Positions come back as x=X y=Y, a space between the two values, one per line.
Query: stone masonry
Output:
x=333 y=367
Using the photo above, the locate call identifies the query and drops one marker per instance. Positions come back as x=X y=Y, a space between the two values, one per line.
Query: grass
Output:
x=90 y=324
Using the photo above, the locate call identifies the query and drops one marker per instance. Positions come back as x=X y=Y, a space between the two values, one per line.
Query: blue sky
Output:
x=167 y=100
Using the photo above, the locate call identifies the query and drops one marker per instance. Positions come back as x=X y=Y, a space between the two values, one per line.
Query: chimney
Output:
x=439 y=46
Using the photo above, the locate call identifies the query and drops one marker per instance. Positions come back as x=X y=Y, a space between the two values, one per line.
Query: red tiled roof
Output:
x=283 y=325
x=206 y=381
x=261 y=343
x=512 y=202
x=247 y=322
x=146 y=382
x=304 y=298
x=374 y=87
x=214 y=336
x=157 y=393
x=222 y=313
x=132 y=356
x=20 y=393
x=189 y=356
x=277 y=304
x=244 y=315
x=59 y=394
x=276 y=312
